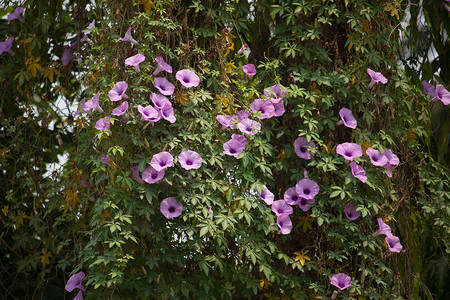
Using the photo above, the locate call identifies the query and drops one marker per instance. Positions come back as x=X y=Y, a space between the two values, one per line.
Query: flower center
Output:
x=171 y=209
x=303 y=149
x=375 y=158
x=232 y=150
x=162 y=164
x=348 y=153
x=188 y=162
x=294 y=198
x=154 y=176
x=186 y=80
x=306 y=191
x=341 y=284
x=303 y=202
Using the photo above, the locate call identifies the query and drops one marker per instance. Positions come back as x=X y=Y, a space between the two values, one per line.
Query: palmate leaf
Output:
x=301 y=257
x=33 y=66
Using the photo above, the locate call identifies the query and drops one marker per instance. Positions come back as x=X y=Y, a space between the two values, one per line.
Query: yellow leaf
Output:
x=365 y=146
x=264 y=283
x=181 y=97
x=5 y=210
x=230 y=66
x=19 y=218
x=32 y=65
x=148 y=5
x=410 y=136
x=221 y=101
x=282 y=156
x=301 y=257
x=45 y=257
x=71 y=199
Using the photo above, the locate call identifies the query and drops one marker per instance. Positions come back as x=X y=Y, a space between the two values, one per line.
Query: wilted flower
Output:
x=105 y=159
x=307 y=188
x=264 y=106
x=118 y=91
x=349 y=150
x=341 y=281
x=121 y=109
x=170 y=208
x=358 y=171
x=187 y=78
x=168 y=113
x=442 y=94
x=149 y=113
x=162 y=66
x=249 y=127
x=303 y=203
x=189 y=159
x=159 y=100
x=103 y=124
x=224 y=120
x=164 y=86
x=150 y=175
x=128 y=37
x=249 y=69
x=300 y=147
x=6 y=46
x=134 y=174
x=393 y=243
x=429 y=89
x=376 y=157
x=89 y=27
x=135 y=61
x=392 y=159
x=16 y=14
x=291 y=196
x=266 y=195
x=347 y=118
x=351 y=212
x=235 y=146
x=284 y=223
x=243 y=49
x=376 y=77
x=93 y=104
x=211 y=213
x=383 y=228
x=74 y=282
x=281 y=207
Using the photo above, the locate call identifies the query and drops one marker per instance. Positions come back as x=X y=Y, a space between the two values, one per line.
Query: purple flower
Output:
x=162 y=161
x=442 y=94
x=74 y=282
x=281 y=207
x=235 y=146
x=135 y=61
x=150 y=175
x=118 y=91
x=243 y=48
x=392 y=160
x=167 y=113
x=16 y=15
x=383 y=228
x=224 y=120
x=446 y=7
x=149 y=113
x=6 y=46
x=291 y=196
x=159 y=100
x=170 y=208
x=187 y=78
x=349 y=150
x=190 y=160
x=429 y=89
x=164 y=86
x=307 y=188
x=264 y=106
x=67 y=55
x=376 y=158
x=376 y=77
x=89 y=28
x=341 y=281
x=79 y=296
x=266 y=195
x=300 y=147
x=285 y=223
x=93 y=104
x=121 y=109
x=249 y=70
x=105 y=159
x=80 y=108
x=275 y=91
x=241 y=115
x=249 y=127
x=303 y=203
x=210 y=213
x=278 y=107
x=351 y=212
x=162 y=66
x=347 y=118
x=134 y=174
x=103 y=124
x=128 y=37
x=393 y=243
x=358 y=172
